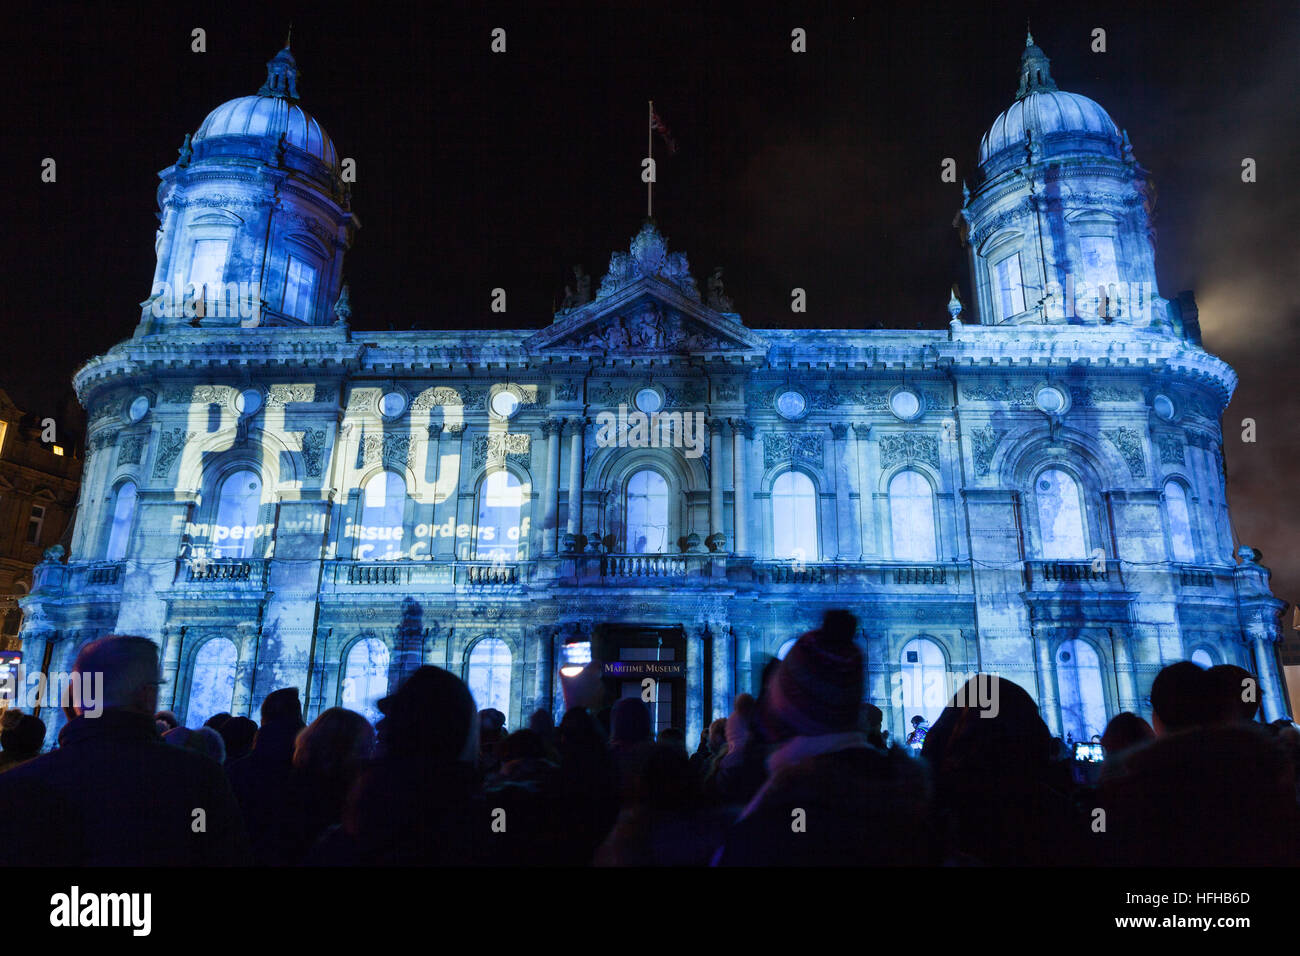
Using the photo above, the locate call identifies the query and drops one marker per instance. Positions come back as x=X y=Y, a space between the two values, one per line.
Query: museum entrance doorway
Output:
x=633 y=653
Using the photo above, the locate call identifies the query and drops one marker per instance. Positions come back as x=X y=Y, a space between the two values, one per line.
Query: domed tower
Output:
x=1059 y=220
x=255 y=218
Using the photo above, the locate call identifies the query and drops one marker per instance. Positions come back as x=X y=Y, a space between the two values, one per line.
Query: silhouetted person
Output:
x=870 y=720
x=492 y=730
x=238 y=733
x=261 y=779
x=1003 y=799
x=204 y=741
x=21 y=740
x=1125 y=731
x=830 y=797
x=418 y=803
x=217 y=721
x=629 y=740
x=1182 y=696
x=166 y=721
x=1236 y=693
x=665 y=823
x=1207 y=796
x=114 y=794
x=672 y=736
x=328 y=757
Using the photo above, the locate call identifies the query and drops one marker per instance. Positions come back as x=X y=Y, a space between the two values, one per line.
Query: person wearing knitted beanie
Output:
x=817 y=689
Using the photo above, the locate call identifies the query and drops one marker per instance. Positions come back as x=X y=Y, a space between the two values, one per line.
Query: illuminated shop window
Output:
x=911 y=513
x=489 y=675
x=1078 y=679
x=212 y=685
x=794 y=517
x=365 y=678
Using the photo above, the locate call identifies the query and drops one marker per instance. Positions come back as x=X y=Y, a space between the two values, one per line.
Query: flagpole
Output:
x=650 y=154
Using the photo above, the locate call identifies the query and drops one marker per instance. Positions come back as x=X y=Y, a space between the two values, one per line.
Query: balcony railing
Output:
x=225 y=572
x=650 y=565
x=104 y=574
x=1189 y=577
x=1058 y=573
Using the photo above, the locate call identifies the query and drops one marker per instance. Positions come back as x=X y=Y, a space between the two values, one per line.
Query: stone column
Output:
x=577 y=426
x=847 y=547
x=724 y=669
x=716 y=534
x=860 y=513
x=1125 y=684
x=550 y=497
x=694 y=684
x=1047 y=707
x=741 y=432
x=871 y=546
x=245 y=666
x=1270 y=692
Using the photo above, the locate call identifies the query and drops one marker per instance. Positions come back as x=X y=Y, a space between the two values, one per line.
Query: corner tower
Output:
x=1059 y=220
x=255 y=217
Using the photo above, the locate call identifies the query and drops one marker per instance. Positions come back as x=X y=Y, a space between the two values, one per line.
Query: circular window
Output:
x=1164 y=407
x=905 y=403
x=1065 y=657
x=139 y=408
x=791 y=404
x=649 y=400
x=392 y=404
x=1044 y=484
x=505 y=403
x=248 y=401
x=1050 y=399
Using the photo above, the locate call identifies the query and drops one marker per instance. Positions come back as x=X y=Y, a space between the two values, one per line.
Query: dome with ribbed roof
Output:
x=1041 y=109
x=272 y=113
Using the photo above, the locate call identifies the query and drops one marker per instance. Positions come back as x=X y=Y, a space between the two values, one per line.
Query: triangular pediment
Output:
x=648 y=317
x=648 y=304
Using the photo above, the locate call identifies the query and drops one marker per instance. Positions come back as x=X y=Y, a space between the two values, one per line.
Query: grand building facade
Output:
x=1036 y=491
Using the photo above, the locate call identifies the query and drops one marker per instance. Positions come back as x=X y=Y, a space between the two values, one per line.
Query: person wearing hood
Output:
x=261 y=779
x=830 y=798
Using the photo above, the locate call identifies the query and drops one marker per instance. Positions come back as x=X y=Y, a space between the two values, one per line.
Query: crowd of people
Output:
x=802 y=774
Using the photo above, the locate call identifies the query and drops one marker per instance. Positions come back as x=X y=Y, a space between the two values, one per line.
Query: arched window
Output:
x=1060 y=516
x=119 y=534
x=383 y=513
x=1078 y=679
x=911 y=513
x=500 y=514
x=365 y=678
x=212 y=684
x=237 y=504
x=1180 y=524
x=1203 y=657
x=647 y=513
x=925 y=681
x=489 y=675
x=794 y=517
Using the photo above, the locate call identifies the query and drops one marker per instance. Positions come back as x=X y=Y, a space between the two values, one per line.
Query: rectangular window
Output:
x=300 y=281
x=34 y=524
x=1098 y=254
x=208 y=265
x=1008 y=286
x=4 y=426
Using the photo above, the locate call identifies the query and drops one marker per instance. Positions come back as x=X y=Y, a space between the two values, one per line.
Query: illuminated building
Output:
x=1037 y=490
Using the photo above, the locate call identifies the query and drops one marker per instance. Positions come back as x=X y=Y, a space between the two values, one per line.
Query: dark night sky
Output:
x=818 y=170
